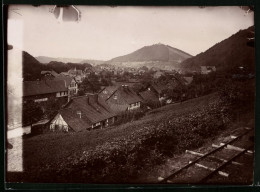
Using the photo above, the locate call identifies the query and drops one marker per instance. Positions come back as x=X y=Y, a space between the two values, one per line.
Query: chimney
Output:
x=79 y=113
x=88 y=100
x=96 y=98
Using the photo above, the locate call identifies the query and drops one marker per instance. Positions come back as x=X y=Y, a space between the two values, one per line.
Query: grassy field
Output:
x=125 y=148
x=50 y=147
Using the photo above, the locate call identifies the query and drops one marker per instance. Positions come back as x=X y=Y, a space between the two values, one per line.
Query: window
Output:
x=40 y=100
x=72 y=84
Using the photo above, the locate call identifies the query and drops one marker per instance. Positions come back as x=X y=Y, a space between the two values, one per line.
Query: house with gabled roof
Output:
x=40 y=91
x=77 y=74
x=154 y=92
x=70 y=84
x=121 y=98
x=83 y=113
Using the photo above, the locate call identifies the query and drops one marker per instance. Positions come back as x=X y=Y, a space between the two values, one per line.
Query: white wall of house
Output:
x=62 y=94
x=59 y=124
x=134 y=106
x=73 y=88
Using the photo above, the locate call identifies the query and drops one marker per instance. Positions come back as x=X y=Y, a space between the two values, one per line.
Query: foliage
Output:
x=32 y=113
x=90 y=85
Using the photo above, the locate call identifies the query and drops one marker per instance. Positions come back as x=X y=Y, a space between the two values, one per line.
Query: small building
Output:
x=78 y=75
x=83 y=113
x=143 y=70
x=121 y=98
x=207 y=69
x=74 y=72
x=48 y=75
x=158 y=74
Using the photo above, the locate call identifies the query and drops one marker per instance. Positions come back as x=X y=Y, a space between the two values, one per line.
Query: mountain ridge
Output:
x=155 y=52
x=46 y=60
x=227 y=54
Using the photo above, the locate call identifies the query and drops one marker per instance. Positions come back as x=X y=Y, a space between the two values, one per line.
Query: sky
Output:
x=105 y=32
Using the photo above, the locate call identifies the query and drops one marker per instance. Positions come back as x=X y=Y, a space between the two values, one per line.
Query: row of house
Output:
x=102 y=109
x=97 y=110
x=83 y=113
x=77 y=75
x=90 y=111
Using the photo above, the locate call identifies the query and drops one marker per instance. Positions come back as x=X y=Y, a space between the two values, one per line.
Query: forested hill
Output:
x=231 y=53
x=32 y=68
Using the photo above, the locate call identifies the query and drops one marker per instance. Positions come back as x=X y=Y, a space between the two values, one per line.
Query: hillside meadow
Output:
x=119 y=154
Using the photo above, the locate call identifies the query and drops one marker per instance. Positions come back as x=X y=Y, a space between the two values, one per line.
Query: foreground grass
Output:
x=50 y=147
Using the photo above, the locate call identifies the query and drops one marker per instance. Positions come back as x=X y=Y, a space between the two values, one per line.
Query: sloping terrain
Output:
x=31 y=67
x=226 y=55
x=158 y=54
x=94 y=149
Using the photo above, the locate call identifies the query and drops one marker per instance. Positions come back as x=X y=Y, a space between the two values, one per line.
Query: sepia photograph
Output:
x=130 y=94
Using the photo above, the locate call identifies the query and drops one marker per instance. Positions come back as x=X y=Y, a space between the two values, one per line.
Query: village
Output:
x=148 y=98
x=96 y=97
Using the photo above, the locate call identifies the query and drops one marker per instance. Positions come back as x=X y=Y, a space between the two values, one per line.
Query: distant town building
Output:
x=142 y=70
x=70 y=83
x=78 y=75
x=158 y=74
x=48 y=75
x=83 y=113
x=207 y=69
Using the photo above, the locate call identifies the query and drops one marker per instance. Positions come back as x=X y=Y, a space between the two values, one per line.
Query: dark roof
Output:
x=50 y=72
x=158 y=87
x=125 y=95
x=107 y=92
x=93 y=110
x=43 y=87
x=72 y=119
x=75 y=71
x=119 y=97
x=148 y=95
x=66 y=79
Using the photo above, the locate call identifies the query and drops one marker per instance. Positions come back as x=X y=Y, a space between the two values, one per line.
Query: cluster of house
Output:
x=102 y=109
x=77 y=75
x=92 y=111
x=96 y=110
